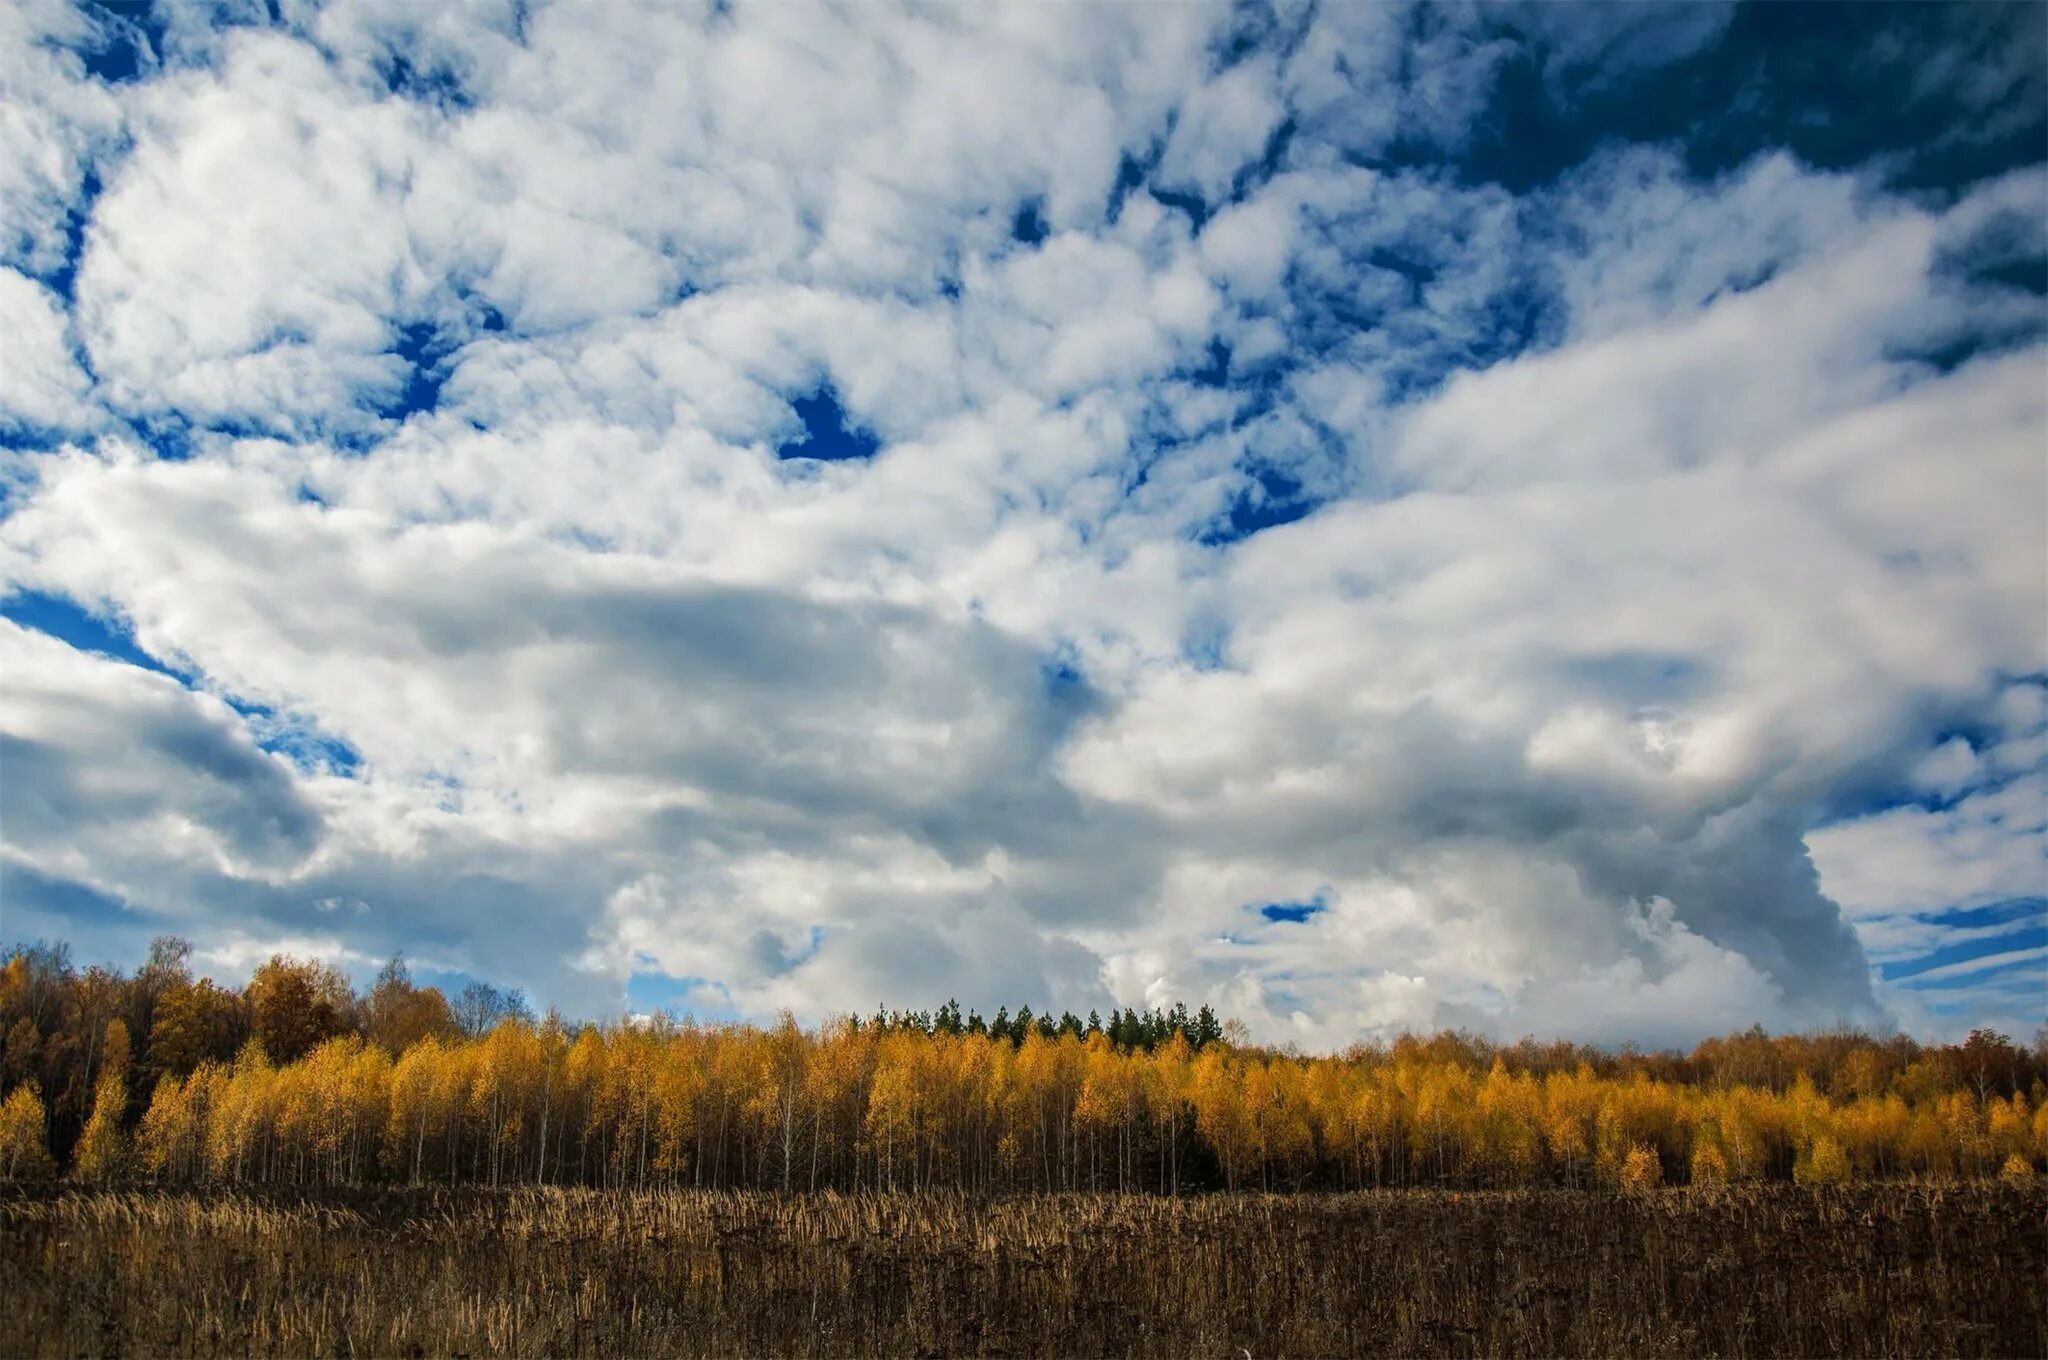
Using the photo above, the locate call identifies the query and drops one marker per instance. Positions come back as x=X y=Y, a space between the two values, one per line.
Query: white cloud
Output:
x=1249 y=245
x=54 y=126
x=245 y=261
x=1222 y=128
x=1650 y=535
x=41 y=384
x=1986 y=848
x=112 y=769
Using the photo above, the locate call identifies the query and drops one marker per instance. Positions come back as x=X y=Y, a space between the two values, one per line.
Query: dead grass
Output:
x=1875 y=1270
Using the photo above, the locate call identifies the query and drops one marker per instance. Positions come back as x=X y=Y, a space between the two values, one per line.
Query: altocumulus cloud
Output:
x=1528 y=517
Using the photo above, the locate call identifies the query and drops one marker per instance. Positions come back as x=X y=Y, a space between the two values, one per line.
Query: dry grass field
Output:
x=1877 y=1270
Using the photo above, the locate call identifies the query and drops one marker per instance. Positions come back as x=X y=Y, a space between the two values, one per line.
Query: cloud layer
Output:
x=1594 y=562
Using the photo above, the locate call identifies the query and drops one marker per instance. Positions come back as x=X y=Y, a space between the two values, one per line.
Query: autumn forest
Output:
x=297 y=1166
x=298 y=1080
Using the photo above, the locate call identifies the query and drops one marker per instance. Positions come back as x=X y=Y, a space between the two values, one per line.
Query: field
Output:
x=1867 y=1269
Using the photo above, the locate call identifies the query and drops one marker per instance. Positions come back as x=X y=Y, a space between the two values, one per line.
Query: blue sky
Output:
x=1523 y=516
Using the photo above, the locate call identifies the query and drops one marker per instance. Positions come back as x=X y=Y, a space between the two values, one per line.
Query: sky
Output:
x=1526 y=517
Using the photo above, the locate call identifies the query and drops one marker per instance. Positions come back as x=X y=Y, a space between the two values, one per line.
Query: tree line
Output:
x=298 y=1079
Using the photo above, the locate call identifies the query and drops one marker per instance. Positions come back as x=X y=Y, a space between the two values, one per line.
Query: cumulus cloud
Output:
x=1575 y=595
x=108 y=764
x=43 y=387
x=57 y=126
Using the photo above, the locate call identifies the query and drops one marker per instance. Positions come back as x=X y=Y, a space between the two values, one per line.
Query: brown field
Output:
x=1878 y=1270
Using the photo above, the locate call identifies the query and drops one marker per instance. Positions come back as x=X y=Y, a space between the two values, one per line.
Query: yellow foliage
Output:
x=24 y=1146
x=168 y=1141
x=1640 y=1168
x=859 y=1107
x=1709 y=1165
x=1825 y=1163
x=102 y=1153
